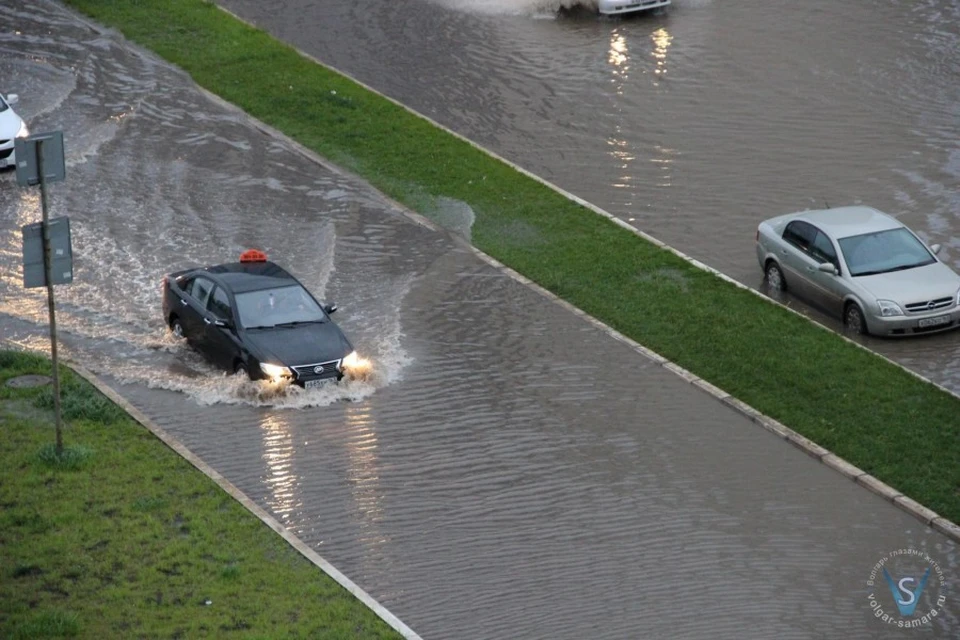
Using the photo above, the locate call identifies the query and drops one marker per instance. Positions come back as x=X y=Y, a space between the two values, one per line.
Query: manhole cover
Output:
x=23 y=382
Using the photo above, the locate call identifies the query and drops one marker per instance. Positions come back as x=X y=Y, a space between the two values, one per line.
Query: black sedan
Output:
x=253 y=317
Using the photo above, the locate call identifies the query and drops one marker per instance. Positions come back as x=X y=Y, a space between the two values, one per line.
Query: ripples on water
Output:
x=127 y=230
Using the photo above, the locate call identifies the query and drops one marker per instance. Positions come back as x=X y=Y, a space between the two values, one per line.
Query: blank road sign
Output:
x=61 y=253
x=28 y=173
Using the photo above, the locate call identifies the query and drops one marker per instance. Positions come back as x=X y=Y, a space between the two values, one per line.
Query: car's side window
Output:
x=823 y=251
x=800 y=234
x=219 y=304
x=186 y=284
x=200 y=289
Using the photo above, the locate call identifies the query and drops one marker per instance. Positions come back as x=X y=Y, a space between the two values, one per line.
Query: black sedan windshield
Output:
x=884 y=251
x=279 y=306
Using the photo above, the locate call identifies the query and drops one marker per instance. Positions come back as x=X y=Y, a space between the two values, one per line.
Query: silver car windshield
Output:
x=884 y=251
x=279 y=306
x=3 y=105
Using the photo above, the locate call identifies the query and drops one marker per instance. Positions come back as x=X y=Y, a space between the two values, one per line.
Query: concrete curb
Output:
x=382 y=612
x=925 y=515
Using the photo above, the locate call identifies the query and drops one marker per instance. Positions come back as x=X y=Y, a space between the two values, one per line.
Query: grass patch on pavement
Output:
x=123 y=538
x=875 y=415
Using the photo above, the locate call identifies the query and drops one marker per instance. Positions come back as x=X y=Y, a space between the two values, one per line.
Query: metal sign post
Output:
x=50 y=302
x=32 y=167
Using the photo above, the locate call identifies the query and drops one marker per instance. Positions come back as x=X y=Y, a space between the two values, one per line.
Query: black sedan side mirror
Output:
x=329 y=308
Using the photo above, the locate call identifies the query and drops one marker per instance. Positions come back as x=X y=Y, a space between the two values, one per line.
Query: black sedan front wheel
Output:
x=176 y=327
x=241 y=369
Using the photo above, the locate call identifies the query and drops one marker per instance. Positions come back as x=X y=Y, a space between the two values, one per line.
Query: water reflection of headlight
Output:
x=274 y=371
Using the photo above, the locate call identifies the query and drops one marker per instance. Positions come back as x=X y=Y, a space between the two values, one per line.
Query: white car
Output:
x=616 y=7
x=12 y=126
x=863 y=266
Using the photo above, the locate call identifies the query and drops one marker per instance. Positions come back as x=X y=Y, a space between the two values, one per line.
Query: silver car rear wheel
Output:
x=853 y=320
x=774 y=277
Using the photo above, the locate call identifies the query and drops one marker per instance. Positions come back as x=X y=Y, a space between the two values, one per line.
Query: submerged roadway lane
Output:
x=511 y=472
x=692 y=123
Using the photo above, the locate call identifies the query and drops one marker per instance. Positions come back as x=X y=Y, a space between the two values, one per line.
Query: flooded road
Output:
x=693 y=123
x=510 y=472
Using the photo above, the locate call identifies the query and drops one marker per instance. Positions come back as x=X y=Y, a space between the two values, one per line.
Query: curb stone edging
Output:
x=771 y=425
x=946 y=527
x=842 y=467
x=806 y=445
x=379 y=610
x=880 y=488
x=914 y=508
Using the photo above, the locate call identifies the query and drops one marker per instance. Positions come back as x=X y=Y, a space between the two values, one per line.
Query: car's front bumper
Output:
x=614 y=7
x=317 y=374
x=910 y=324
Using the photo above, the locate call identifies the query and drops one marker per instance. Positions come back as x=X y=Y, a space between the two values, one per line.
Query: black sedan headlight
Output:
x=275 y=372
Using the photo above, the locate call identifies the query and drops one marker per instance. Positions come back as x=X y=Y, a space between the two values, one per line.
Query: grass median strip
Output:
x=875 y=415
x=121 y=537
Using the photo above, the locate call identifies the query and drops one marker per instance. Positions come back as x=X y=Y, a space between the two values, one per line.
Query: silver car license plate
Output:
x=314 y=384
x=932 y=322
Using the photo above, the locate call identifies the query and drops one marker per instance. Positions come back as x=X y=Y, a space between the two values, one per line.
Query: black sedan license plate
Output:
x=314 y=384
x=933 y=322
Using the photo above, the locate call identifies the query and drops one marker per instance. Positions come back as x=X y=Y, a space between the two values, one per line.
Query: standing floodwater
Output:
x=693 y=122
x=512 y=472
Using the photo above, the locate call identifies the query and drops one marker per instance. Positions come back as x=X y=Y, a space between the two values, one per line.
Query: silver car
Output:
x=863 y=266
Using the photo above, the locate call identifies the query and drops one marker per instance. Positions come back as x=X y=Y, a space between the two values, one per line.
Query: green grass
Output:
x=122 y=538
x=878 y=417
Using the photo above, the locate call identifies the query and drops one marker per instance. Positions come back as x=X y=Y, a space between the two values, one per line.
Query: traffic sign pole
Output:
x=48 y=276
x=33 y=154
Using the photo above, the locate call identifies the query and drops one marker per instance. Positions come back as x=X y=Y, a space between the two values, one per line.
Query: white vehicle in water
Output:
x=616 y=7
x=11 y=127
